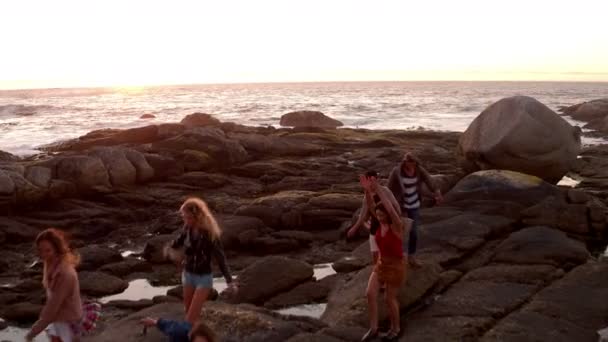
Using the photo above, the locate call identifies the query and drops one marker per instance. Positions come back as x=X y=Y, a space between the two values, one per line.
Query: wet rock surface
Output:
x=505 y=254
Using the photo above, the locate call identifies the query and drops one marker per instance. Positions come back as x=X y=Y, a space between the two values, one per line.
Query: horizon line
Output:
x=291 y=82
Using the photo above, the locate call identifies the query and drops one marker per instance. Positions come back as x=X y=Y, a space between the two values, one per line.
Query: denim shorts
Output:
x=198 y=281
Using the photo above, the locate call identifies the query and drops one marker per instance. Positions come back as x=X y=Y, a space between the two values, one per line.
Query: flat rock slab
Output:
x=541 y=245
x=571 y=309
x=521 y=274
x=347 y=304
x=449 y=240
x=480 y=299
x=442 y=329
x=527 y=326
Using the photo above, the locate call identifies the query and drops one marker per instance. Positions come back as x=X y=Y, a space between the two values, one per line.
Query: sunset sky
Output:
x=122 y=43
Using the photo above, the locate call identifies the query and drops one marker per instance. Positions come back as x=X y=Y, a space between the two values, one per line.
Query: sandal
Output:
x=369 y=335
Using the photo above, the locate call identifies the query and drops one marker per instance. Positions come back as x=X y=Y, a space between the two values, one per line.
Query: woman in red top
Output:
x=390 y=267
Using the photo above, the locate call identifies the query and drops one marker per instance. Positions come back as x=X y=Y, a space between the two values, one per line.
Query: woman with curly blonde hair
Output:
x=200 y=239
x=62 y=312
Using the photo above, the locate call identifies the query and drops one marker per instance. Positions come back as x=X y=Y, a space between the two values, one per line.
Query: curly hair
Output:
x=58 y=240
x=202 y=216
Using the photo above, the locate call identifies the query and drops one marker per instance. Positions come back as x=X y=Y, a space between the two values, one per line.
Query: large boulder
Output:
x=234 y=226
x=94 y=256
x=305 y=210
x=21 y=312
x=588 y=111
x=24 y=190
x=541 y=245
x=283 y=145
x=196 y=160
x=503 y=185
x=88 y=173
x=347 y=304
x=39 y=176
x=120 y=169
x=99 y=284
x=144 y=171
x=200 y=120
x=164 y=166
x=521 y=134
x=270 y=276
x=307 y=118
x=211 y=140
x=306 y=293
x=154 y=248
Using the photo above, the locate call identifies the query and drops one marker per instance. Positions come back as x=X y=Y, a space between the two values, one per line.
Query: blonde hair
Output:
x=203 y=217
x=59 y=242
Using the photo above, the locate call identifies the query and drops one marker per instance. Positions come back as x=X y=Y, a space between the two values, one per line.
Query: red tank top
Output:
x=390 y=245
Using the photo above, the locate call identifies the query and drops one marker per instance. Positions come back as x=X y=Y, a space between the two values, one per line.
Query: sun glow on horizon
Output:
x=140 y=43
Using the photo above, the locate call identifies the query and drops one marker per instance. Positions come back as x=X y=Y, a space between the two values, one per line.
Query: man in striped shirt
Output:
x=405 y=181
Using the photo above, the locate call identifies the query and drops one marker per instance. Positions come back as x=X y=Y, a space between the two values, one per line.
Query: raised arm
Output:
x=363 y=216
x=388 y=205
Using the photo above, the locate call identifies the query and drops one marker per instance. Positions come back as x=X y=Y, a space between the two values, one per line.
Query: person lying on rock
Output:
x=62 y=313
x=181 y=331
x=390 y=268
x=200 y=239
x=405 y=181
x=367 y=213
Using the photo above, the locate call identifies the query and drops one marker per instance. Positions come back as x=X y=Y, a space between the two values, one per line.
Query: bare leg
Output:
x=393 y=308
x=372 y=300
x=199 y=298
x=188 y=292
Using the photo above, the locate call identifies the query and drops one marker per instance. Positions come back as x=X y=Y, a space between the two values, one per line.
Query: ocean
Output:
x=31 y=118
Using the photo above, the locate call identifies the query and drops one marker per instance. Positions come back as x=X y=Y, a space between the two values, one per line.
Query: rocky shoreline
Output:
x=507 y=256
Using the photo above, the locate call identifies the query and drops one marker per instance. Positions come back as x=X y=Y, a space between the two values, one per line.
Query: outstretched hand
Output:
x=149 y=322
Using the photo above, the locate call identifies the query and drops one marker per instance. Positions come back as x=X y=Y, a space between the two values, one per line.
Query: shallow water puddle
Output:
x=569 y=182
x=306 y=310
x=142 y=289
x=138 y=289
x=129 y=252
x=323 y=270
x=16 y=334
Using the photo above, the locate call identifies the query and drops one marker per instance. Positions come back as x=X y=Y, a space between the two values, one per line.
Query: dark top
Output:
x=199 y=250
